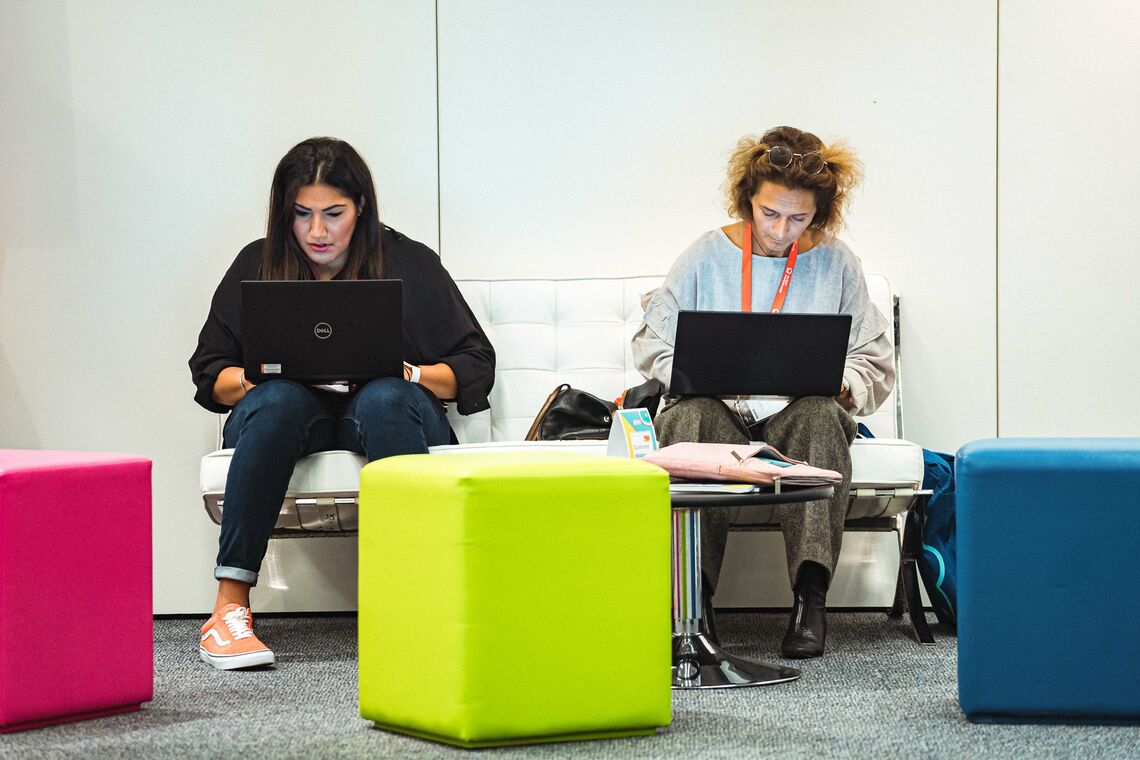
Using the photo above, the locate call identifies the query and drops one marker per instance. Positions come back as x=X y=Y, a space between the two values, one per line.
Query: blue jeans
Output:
x=280 y=421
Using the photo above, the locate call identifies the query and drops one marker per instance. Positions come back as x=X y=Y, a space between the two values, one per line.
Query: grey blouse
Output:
x=828 y=279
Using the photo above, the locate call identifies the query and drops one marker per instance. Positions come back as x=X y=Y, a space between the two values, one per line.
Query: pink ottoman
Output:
x=76 y=628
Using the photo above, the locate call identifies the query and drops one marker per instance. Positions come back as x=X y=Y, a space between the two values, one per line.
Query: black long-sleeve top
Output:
x=438 y=324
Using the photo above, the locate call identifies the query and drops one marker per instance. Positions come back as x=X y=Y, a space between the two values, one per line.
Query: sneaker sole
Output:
x=236 y=661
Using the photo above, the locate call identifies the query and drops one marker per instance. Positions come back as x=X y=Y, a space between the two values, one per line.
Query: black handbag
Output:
x=571 y=414
x=646 y=396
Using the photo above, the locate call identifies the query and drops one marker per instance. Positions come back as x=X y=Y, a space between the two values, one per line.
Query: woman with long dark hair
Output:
x=324 y=225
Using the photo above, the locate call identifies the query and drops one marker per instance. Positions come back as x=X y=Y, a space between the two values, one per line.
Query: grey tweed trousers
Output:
x=815 y=429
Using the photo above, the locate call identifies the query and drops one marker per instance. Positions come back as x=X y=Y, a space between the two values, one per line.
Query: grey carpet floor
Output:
x=876 y=694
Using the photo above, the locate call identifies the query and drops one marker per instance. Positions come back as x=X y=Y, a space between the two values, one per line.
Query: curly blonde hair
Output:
x=748 y=169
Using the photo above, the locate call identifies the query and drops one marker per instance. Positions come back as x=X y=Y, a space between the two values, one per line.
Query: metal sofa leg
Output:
x=908 y=576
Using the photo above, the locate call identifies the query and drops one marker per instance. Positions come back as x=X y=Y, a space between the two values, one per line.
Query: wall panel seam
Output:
x=438 y=165
x=997 y=217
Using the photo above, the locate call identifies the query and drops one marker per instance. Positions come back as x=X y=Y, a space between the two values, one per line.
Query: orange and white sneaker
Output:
x=228 y=641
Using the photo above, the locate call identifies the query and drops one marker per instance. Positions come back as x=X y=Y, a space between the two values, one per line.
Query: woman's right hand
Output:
x=231 y=386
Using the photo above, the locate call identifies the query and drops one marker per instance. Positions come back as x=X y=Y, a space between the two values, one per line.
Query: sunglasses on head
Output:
x=782 y=156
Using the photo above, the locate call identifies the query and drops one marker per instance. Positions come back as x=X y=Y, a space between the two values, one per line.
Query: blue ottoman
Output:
x=1049 y=579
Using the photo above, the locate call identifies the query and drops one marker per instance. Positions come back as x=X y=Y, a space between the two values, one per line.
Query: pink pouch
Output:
x=760 y=464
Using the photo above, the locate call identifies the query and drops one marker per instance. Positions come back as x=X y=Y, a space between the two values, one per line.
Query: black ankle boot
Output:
x=807 y=627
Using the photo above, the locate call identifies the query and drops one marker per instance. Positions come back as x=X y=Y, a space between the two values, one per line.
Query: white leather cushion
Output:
x=323 y=472
x=547 y=332
x=885 y=463
x=580 y=447
x=875 y=463
x=339 y=471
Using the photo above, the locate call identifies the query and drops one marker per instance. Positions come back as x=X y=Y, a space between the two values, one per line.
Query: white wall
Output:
x=137 y=141
x=138 y=144
x=591 y=138
x=1069 y=254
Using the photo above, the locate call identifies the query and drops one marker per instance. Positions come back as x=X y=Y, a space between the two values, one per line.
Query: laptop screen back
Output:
x=322 y=332
x=724 y=353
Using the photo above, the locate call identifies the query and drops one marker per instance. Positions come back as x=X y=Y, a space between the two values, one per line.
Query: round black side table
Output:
x=698 y=663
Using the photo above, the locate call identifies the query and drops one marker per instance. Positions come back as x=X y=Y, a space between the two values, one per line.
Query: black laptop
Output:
x=322 y=331
x=725 y=353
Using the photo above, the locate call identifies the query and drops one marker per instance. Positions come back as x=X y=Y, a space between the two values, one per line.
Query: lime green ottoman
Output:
x=509 y=598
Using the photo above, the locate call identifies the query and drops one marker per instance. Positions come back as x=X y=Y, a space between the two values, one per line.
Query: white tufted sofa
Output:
x=578 y=331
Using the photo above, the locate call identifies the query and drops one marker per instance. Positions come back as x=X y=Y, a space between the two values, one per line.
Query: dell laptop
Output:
x=725 y=353
x=322 y=331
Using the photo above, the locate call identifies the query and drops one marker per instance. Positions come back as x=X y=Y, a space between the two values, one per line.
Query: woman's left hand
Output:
x=438 y=378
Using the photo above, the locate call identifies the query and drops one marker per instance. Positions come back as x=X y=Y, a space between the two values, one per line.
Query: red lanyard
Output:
x=746 y=274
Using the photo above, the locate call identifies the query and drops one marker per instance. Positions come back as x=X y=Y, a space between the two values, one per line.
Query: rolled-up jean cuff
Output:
x=235 y=574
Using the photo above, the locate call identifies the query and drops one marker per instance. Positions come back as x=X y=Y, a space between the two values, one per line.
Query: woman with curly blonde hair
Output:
x=788 y=191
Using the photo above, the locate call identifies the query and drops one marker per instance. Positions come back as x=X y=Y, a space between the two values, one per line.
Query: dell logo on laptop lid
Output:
x=322 y=330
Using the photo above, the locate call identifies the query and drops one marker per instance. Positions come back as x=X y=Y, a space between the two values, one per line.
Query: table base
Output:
x=698 y=663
